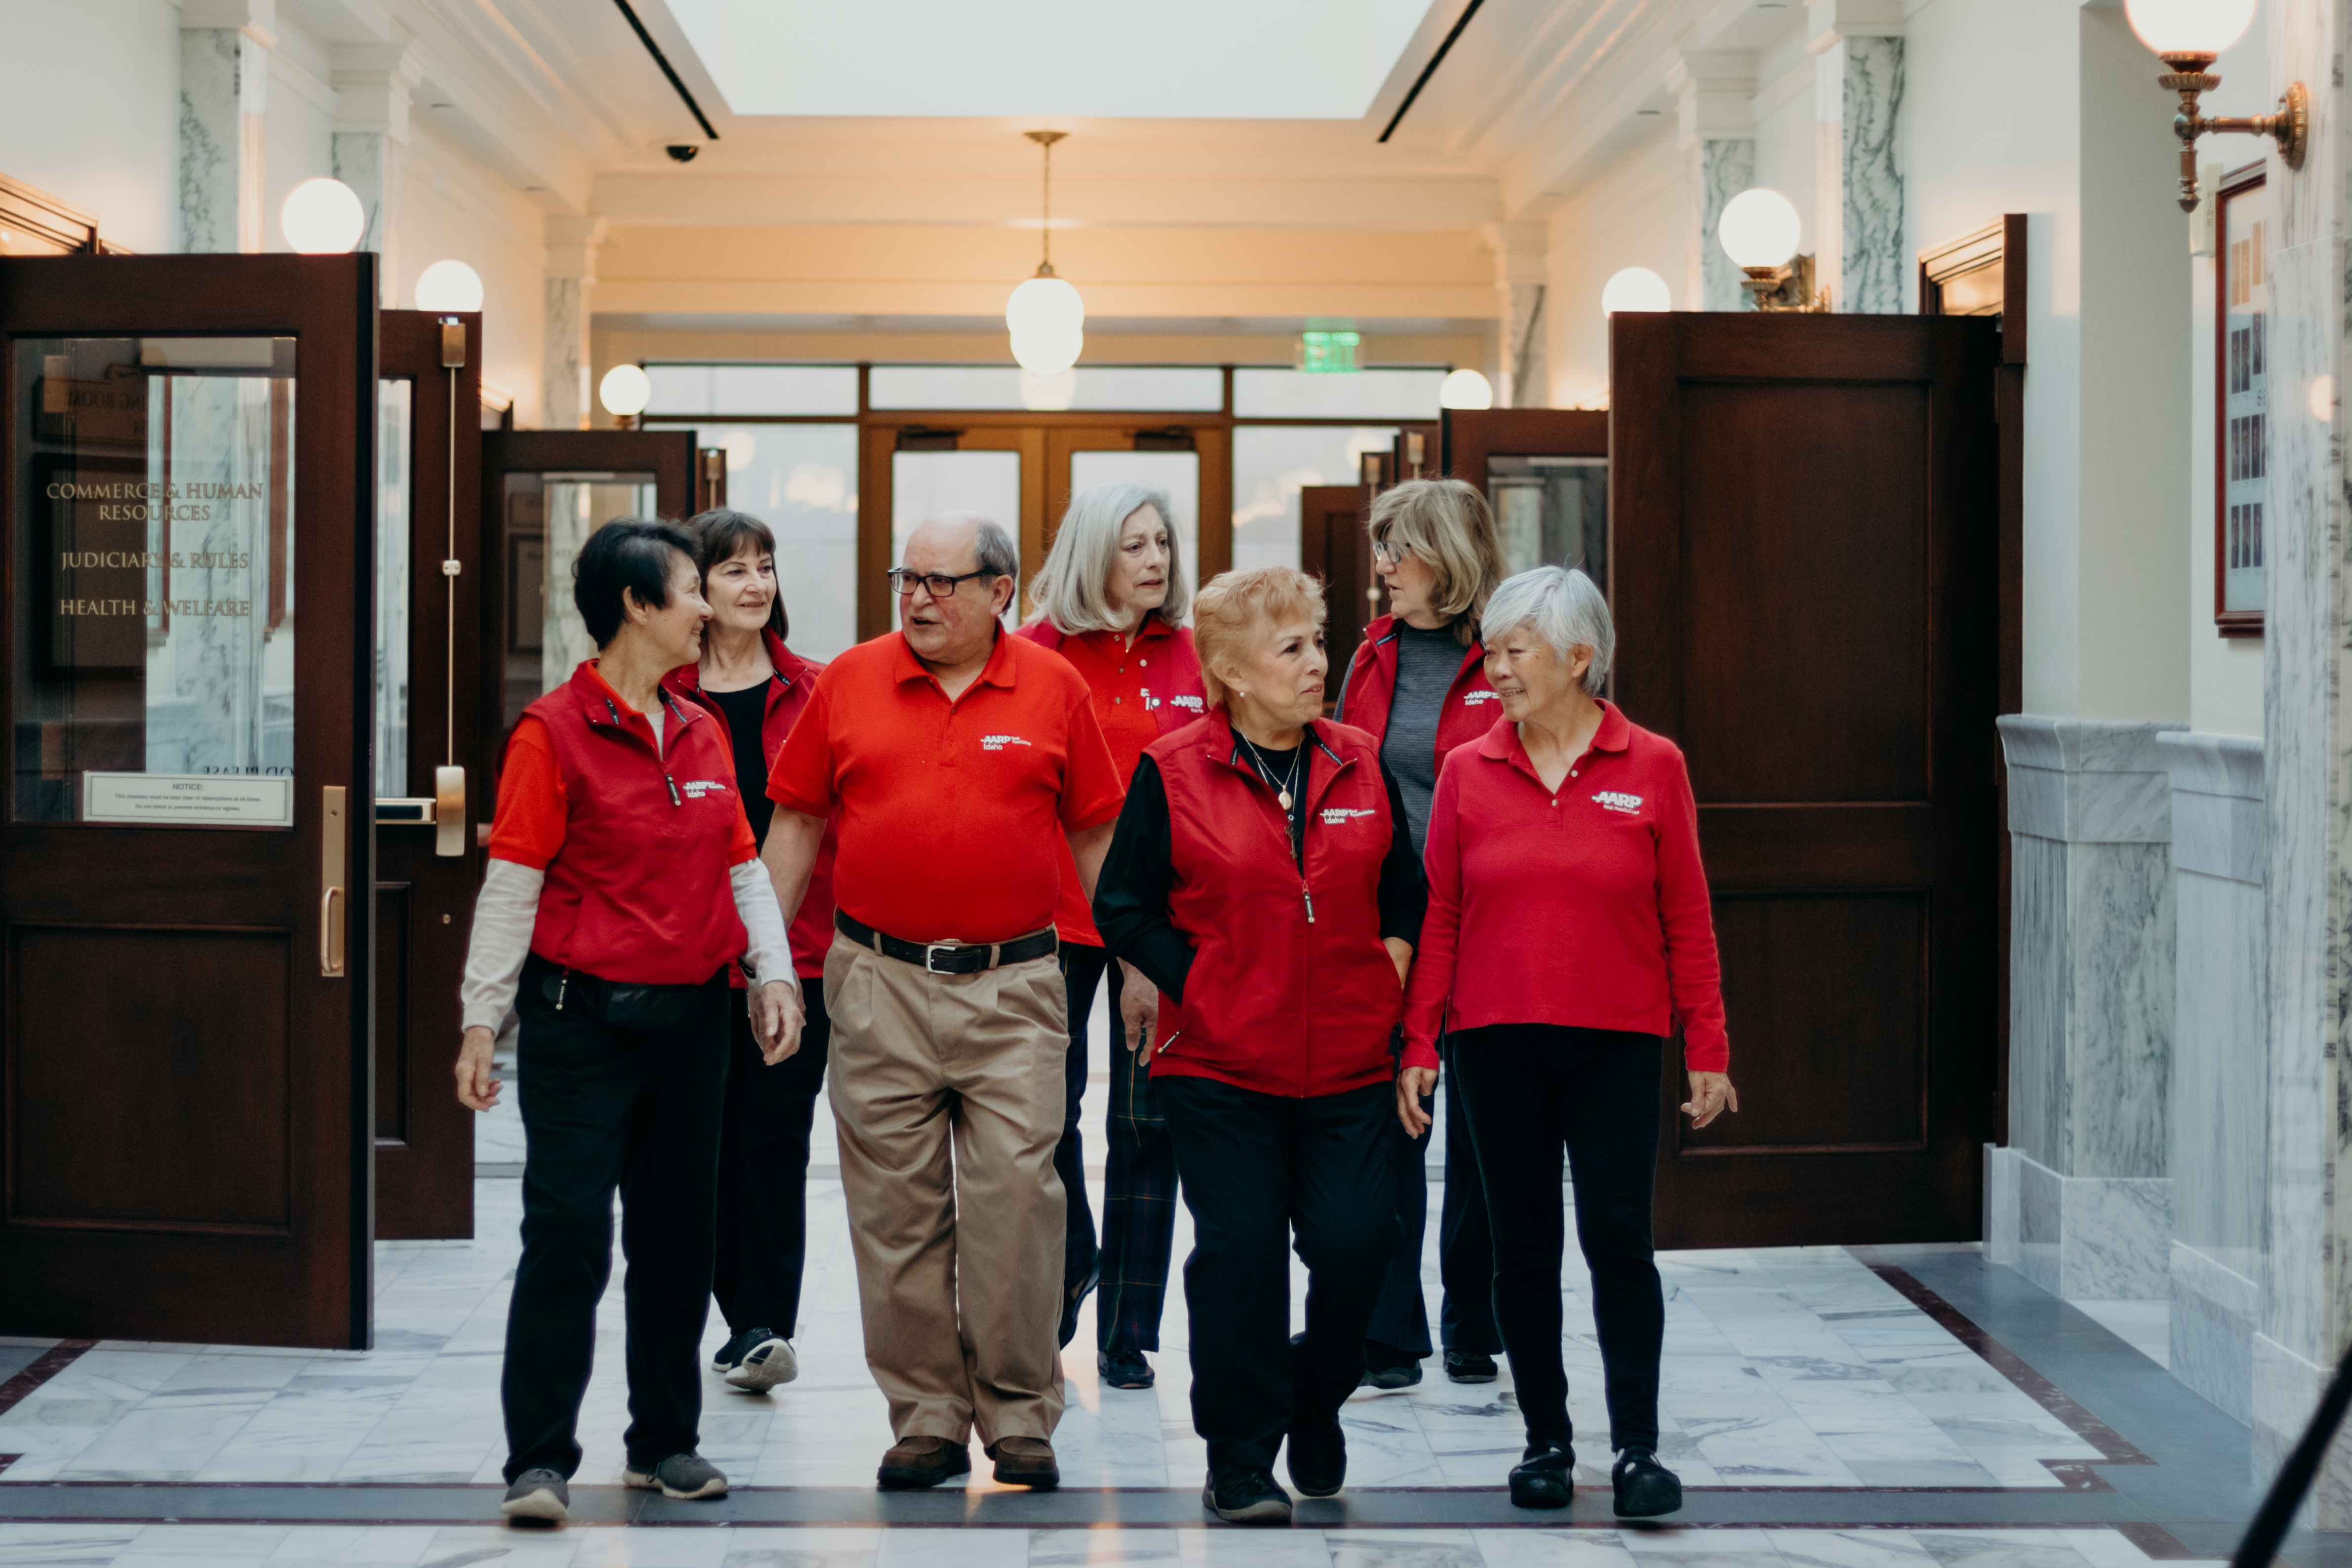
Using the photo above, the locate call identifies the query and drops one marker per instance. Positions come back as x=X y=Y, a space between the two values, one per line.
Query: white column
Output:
x=1857 y=47
x=1715 y=130
x=1520 y=278
x=223 y=94
x=374 y=85
x=572 y=243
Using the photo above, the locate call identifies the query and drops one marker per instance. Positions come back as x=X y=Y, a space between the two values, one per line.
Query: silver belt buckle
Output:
x=935 y=947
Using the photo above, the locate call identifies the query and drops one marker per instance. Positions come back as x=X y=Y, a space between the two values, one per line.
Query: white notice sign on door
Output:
x=188 y=799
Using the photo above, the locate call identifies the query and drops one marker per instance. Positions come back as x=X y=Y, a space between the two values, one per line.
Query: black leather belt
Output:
x=949 y=957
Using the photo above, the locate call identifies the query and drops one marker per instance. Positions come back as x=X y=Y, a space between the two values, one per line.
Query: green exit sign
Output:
x=1327 y=351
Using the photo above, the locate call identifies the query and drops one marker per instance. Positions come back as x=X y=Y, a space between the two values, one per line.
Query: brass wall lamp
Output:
x=1760 y=230
x=2191 y=35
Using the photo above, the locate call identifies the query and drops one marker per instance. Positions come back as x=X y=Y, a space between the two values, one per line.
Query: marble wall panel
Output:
x=2119 y=1048
x=211 y=138
x=2040 y=995
x=2219 y=1086
x=2215 y=1313
x=1873 y=258
x=1727 y=166
x=2086 y=1238
x=564 y=387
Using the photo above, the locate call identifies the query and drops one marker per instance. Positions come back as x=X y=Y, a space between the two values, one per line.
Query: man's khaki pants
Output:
x=959 y=1259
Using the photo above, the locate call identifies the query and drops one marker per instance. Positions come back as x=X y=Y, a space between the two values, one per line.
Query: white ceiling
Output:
x=1207 y=59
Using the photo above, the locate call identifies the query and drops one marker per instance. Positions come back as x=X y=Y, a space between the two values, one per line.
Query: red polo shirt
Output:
x=950 y=816
x=1587 y=908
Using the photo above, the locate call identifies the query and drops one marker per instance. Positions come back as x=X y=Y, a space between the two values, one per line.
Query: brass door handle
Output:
x=333 y=839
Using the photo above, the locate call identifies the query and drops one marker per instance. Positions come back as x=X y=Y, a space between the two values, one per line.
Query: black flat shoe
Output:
x=1388 y=1368
x=1546 y=1477
x=1318 y=1457
x=1241 y=1496
x=1469 y=1366
x=1124 y=1369
x=1646 y=1489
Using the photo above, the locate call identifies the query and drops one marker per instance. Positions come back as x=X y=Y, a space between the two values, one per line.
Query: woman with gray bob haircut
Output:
x=1569 y=935
x=1111 y=599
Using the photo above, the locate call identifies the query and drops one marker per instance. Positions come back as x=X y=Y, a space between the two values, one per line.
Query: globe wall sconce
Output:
x=2191 y=35
x=1635 y=289
x=1760 y=230
x=322 y=217
x=450 y=286
x=624 y=392
x=1466 y=389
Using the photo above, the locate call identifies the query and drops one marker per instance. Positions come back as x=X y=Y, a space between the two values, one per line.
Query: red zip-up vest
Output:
x=788 y=693
x=1176 y=698
x=1291 y=991
x=1471 y=705
x=639 y=892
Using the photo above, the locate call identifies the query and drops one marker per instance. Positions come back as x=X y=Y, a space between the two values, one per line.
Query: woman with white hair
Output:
x=1567 y=820
x=1111 y=599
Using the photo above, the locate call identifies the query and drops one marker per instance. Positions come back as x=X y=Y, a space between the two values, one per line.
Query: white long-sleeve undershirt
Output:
x=508 y=909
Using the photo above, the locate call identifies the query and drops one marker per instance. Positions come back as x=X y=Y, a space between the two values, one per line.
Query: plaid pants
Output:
x=1138 y=1220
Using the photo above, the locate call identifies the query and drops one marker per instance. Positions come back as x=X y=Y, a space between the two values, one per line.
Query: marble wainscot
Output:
x=2080 y=1202
x=2220 y=1079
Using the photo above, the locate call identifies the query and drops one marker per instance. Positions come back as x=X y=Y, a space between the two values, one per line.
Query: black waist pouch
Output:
x=620 y=1006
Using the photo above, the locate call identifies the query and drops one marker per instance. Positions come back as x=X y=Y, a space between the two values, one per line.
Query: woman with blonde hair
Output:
x=1418 y=686
x=1111 y=599
x=1261 y=875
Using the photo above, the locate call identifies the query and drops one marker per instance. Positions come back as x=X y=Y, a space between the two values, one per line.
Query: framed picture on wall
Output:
x=2241 y=401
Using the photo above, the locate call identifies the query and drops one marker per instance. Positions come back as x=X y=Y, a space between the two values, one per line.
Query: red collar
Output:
x=1502 y=743
x=997 y=671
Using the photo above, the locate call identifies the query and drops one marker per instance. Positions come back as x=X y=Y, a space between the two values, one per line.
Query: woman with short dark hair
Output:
x=623 y=881
x=755 y=686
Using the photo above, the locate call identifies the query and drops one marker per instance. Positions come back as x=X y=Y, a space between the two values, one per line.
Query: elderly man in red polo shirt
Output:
x=951 y=758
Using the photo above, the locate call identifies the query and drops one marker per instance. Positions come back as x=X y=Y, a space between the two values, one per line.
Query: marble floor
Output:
x=1826 y=1388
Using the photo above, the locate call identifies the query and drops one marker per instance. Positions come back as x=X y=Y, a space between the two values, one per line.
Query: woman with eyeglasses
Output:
x=1418 y=686
x=1111 y=599
x=1262 y=878
x=755 y=686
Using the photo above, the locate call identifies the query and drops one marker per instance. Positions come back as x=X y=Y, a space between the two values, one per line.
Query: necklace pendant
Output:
x=1284 y=797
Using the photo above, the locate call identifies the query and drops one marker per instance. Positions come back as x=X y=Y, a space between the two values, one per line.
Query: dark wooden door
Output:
x=428 y=721
x=1333 y=546
x=1804 y=531
x=542 y=493
x=184 y=1117
x=1545 y=472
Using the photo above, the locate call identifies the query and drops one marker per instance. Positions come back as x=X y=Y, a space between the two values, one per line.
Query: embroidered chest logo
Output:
x=1193 y=703
x=1472 y=698
x=998 y=742
x=1335 y=814
x=696 y=788
x=1614 y=800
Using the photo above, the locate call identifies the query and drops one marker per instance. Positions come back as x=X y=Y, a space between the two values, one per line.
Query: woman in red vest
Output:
x=623 y=881
x=1569 y=929
x=755 y=686
x=1417 y=685
x=1262 y=878
x=1111 y=599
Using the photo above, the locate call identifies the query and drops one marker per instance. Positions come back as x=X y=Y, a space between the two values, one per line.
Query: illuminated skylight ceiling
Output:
x=1204 y=59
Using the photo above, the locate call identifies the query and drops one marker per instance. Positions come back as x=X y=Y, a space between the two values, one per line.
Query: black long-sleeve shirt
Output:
x=1131 y=895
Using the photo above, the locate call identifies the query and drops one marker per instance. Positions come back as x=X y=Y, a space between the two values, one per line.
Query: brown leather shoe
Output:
x=1025 y=1462
x=914 y=1462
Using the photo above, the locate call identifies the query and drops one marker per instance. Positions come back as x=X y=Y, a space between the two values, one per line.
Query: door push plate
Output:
x=449 y=811
x=334 y=851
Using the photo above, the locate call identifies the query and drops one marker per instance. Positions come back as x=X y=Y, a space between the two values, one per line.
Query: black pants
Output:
x=1465 y=1248
x=1259 y=1170
x=1081 y=971
x=1530 y=1090
x=602 y=1107
x=763 y=1156
x=1400 y=1315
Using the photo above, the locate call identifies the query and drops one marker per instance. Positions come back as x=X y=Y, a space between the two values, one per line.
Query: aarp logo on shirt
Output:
x=1472 y=698
x=1617 y=800
x=999 y=742
x=695 y=789
x=1333 y=815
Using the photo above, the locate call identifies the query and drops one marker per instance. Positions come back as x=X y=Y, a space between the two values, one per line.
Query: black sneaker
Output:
x=1545 y=1476
x=1124 y=1369
x=731 y=1355
x=1646 y=1489
x=1470 y=1366
x=540 y=1496
x=1319 y=1456
x=687 y=1475
x=1076 y=1299
x=767 y=1361
x=1240 y=1495
x=1388 y=1369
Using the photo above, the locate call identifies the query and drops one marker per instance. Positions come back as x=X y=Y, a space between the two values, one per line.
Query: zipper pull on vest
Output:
x=1308 y=893
x=673 y=790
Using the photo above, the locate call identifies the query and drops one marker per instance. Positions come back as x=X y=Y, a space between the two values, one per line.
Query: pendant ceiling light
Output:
x=1045 y=315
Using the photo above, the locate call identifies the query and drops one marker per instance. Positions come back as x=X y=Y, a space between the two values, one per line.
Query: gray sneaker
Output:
x=541 y=1495
x=679 y=1475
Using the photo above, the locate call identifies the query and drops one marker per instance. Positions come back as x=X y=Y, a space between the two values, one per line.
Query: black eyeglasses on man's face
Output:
x=938 y=585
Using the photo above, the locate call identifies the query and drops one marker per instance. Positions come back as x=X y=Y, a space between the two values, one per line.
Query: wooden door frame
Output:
x=328 y=304
x=1468 y=437
x=424 y=1183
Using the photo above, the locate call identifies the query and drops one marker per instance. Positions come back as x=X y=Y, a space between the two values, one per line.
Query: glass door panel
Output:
x=154 y=615
x=1176 y=473
x=1272 y=463
x=1552 y=510
x=395 y=408
x=802 y=482
x=925 y=484
x=548 y=516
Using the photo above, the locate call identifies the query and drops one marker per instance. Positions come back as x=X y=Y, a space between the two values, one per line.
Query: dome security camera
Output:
x=682 y=151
